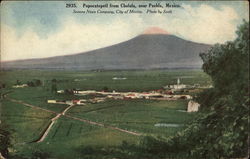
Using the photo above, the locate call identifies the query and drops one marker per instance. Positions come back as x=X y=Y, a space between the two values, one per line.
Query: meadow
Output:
x=73 y=139
x=95 y=80
x=137 y=115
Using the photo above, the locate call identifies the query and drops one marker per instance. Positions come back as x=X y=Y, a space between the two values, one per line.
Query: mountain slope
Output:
x=148 y=51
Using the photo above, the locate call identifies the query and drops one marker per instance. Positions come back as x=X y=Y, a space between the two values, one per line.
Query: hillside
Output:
x=146 y=51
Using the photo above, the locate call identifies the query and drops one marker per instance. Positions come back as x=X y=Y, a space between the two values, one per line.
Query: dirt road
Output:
x=48 y=128
x=102 y=125
x=29 y=105
x=46 y=132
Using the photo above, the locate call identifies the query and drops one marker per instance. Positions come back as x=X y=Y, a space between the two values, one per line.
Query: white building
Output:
x=193 y=106
x=84 y=92
x=80 y=102
x=176 y=86
x=60 y=91
x=20 y=86
x=51 y=101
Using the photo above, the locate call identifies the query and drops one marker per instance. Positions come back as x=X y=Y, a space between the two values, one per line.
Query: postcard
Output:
x=124 y=79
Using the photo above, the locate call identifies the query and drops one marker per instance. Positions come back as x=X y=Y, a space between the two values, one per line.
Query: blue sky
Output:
x=43 y=29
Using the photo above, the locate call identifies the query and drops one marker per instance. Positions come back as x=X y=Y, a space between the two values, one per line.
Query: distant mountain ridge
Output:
x=146 y=51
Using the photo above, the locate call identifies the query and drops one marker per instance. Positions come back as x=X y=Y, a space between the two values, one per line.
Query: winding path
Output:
x=48 y=128
x=29 y=105
x=102 y=125
x=53 y=120
x=68 y=116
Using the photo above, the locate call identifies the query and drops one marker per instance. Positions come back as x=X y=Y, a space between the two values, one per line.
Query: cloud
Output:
x=210 y=25
x=202 y=23
x=72 y=38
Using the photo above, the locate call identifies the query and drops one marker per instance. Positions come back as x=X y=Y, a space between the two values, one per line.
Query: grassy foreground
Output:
x=74 y=139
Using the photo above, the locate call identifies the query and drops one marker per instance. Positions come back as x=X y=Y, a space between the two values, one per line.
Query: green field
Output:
x=137 y=115
x=70 y=138
x=27 y=123
x=136 y=80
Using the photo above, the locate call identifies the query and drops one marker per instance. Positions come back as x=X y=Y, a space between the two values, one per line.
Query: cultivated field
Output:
x=71 y=136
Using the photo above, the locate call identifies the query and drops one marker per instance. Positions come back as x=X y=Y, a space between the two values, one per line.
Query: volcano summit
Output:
x=154 y=49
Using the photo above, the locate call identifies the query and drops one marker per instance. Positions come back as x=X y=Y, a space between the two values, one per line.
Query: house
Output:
x=84 y=92
x=75 y=101
x=51 y=101
x=177 y=86
x=79 y=101
x=130 y=96
x=69 y=102
x=193 y=106
x=60 y=91
x=189 y=97
x=96 y=100
x=169 y=92
x=20 y=86
x=115 y=96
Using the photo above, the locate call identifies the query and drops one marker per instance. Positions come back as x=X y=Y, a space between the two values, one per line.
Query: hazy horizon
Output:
x=45 y=29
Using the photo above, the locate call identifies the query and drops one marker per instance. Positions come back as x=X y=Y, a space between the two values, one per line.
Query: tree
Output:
x=105 y=89
x=54 y=86
x=18 y=82
x=38 y=82
x=226 y=120
x=69 y=91
x=2 y=85
x=30 y=84
x=221 y=129
x=5 y=140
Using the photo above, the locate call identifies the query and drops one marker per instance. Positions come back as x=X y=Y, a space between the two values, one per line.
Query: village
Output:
x=167 y=93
